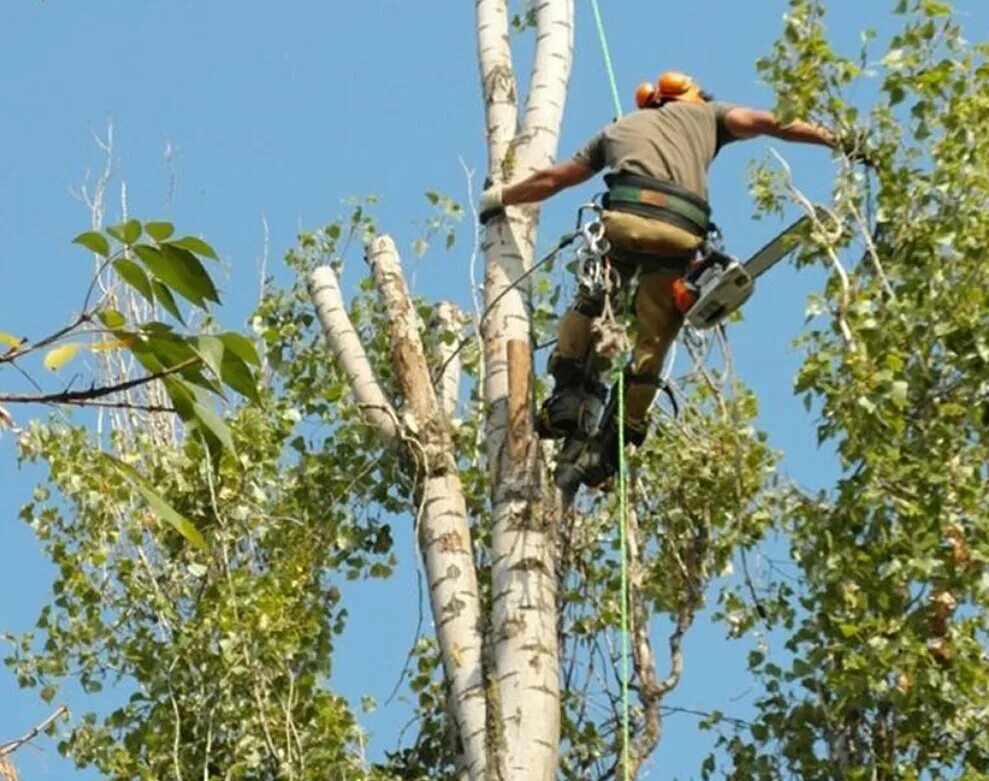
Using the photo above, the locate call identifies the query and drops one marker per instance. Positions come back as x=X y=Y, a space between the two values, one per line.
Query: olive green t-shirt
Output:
x=673 y=143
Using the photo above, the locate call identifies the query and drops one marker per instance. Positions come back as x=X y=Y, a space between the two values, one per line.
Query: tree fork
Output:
x=440 y=514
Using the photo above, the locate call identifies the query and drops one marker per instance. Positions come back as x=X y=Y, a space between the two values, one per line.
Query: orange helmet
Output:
x=672 y=85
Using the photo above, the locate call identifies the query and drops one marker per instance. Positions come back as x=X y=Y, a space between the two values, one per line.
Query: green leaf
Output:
x=57 y=358
x=162 y=509
x=214 y=424
x=159 y=231
x=240 y=346
x=111 y=318
x=126 y=232
x=211 y=350
x=192 y=244
x=134 y=276
x=93 y=241
x=167 y=300
x=182 y=396
x=180 y=270
x=236 y=374
x=169 y=348
x=898 y=393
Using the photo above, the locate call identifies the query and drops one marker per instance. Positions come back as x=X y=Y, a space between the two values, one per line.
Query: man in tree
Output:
x=656 y=217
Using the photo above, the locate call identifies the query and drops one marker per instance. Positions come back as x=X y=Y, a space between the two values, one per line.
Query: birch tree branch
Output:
x=342 y=339
x=11 y=746
x=548 y=90
x=446 y=320
x=498 y=85
x=409 y=360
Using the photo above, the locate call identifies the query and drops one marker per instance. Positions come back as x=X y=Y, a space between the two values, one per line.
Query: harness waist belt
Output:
x=665 y=201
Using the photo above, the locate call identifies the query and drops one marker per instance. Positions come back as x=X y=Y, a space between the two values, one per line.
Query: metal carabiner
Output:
x=589 y=206
x=593 y=235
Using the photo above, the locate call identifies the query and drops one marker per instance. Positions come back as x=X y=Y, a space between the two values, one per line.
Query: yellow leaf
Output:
x=113 y=344
x=9 y=339
x=60 y=356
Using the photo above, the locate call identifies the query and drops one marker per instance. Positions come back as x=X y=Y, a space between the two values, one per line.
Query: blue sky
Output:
x=281 y=112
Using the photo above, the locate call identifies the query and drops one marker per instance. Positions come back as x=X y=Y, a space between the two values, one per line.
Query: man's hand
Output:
x=855 y=146
x=490 y=205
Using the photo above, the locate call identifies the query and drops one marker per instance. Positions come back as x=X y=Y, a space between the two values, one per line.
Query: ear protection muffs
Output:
x=672 y=85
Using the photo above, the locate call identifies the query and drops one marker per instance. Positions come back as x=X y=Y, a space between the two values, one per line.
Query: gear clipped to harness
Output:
x=598 y=282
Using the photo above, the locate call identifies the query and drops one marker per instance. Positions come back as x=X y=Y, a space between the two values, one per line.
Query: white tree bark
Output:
x=342 y=339
x=510 y=729
x=447 y=320
x=526 y=658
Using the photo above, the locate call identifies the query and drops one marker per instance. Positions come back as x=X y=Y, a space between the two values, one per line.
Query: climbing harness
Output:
x=657 y=200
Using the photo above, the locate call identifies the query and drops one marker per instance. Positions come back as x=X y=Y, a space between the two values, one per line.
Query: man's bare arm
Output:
x=748 y=123
x=546 y=182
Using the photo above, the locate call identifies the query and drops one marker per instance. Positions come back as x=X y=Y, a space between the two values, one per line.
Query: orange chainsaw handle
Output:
x=683 y=296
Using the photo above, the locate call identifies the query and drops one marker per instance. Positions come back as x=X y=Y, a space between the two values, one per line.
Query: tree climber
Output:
x=655 y=217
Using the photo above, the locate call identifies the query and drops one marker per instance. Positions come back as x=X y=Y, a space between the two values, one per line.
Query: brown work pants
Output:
x=657 y=319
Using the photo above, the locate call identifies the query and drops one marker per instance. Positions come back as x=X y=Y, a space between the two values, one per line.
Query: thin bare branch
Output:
x=83 y=397
x=11 y=746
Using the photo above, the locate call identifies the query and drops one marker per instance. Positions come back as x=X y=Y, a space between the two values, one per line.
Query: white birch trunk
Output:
x=523 y=578
x=511 y=731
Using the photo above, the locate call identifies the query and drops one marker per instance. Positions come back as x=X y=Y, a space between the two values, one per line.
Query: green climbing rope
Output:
x=622 y=466
x=607 y=59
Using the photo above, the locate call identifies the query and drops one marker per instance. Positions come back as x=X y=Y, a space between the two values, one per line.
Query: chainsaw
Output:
x=717 y=284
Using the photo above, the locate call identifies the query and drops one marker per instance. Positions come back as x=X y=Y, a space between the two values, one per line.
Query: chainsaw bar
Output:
x=775 y=250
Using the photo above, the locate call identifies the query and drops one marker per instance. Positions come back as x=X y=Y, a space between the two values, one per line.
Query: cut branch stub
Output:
x=408 y=356
x=519 y=397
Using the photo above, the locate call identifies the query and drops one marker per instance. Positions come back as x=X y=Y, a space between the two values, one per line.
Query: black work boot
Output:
x=572 y=408
x=594 y=461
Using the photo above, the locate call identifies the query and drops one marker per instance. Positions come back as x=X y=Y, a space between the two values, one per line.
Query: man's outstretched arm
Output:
x=537 y=187
x=749 y=122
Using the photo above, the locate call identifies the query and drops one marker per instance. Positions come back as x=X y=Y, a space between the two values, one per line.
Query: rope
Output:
x=622 y=465
x=564 y=242
x=607 y=59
